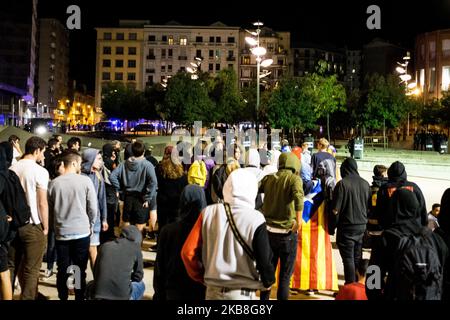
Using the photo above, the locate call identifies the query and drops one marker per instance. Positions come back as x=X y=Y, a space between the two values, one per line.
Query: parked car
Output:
x=144 y=127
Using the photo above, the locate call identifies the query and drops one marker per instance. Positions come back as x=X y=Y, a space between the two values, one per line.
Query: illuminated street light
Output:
x=259 y=52
x=410 y=88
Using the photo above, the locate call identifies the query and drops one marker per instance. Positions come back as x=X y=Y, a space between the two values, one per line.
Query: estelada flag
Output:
x=315 y=267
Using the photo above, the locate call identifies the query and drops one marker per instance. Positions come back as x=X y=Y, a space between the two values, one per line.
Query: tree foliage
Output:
x=385 y=101
x=120 y=101
x=187 y=101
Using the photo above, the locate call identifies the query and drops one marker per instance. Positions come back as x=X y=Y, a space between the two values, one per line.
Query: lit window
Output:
x=432 y=79
x=183 y=41
x=170 y=40
x=445 y=78
x=422 y=78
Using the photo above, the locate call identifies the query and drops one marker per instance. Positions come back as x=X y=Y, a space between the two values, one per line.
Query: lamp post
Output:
x=410 y=88
x=195 y=67
x=259 y=52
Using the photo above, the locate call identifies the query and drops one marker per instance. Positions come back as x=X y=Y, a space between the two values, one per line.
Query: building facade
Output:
x=18 y=34
x=278 y=46
x=171 y=48
x=353 y=67
x=120 y=56
x=53 y=78
x=381 y=57
x=307 y=56
x=432 y=63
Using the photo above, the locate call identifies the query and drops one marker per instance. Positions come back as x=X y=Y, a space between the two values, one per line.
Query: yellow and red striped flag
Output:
x=315 y=267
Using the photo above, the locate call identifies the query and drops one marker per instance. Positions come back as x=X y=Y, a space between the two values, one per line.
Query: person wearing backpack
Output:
x=321 y=156
x=29 y=246
x=228 y=248
x=397 y=179
x=410 y=254
x=351 y=198
x=443 y=230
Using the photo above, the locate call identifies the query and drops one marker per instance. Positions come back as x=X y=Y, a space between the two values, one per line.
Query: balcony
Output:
x=150 y=70
x=182 y=57
x=150 y=57
x=230 y=58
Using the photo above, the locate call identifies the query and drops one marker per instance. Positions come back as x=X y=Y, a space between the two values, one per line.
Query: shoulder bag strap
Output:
x=238 y=236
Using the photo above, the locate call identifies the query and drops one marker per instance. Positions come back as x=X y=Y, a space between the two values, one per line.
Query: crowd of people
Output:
x=230 y=222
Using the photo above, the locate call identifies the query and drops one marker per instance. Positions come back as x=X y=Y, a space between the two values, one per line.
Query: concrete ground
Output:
x=47 y=286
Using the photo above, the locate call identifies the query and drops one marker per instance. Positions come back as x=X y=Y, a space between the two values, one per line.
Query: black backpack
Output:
x=417 y=271
x=14 y=200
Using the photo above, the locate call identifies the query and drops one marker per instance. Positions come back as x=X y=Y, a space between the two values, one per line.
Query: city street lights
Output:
x=410 y=88
x=195 y=67
x=259 y=52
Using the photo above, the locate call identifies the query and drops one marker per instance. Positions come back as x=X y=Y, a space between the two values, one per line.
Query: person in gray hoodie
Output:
x=137 y=180
x=73 y=211
x=91 y=167
x=119 y=271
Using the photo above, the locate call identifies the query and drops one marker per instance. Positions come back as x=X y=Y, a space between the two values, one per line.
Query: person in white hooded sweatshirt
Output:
x=212 y=253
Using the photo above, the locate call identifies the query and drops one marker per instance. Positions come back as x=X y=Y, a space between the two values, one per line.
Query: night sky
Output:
x=342 y=23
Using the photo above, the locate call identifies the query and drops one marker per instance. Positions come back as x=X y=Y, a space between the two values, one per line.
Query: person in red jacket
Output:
x=355 y=290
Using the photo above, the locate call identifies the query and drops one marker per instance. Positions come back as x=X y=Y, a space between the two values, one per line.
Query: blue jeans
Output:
x=72 y=252
x=284 y=248
x=137 y=290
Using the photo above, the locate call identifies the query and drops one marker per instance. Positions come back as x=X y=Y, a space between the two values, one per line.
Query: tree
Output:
x=290 y=106
x=386 y=102
x=327 y=93
x=120 y=101
x=187 y=100
x=228 y=100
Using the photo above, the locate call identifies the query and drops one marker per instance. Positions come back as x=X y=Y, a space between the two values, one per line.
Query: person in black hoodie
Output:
x=6 y=232
x=109 y=160
x=171 y=281
x=444 y=231
x=397 y=180
x=119 y=269
x=406 y=221
x=351 y=198
x=373 y=229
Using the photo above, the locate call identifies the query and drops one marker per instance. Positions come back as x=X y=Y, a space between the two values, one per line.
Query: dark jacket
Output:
x=109 y=166
x=406 y=220
x=397 y=180
x=119 y=263
x=171 y=281
x=351 y=198
x=168 y=197
x=444 y=232
x=89 y=156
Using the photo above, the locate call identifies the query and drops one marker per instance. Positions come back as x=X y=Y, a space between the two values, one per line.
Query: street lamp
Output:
x=195 y=67
x=410 y=88
x=259 y=52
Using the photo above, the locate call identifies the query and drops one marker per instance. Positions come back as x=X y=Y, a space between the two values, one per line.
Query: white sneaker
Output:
x=48 y=273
